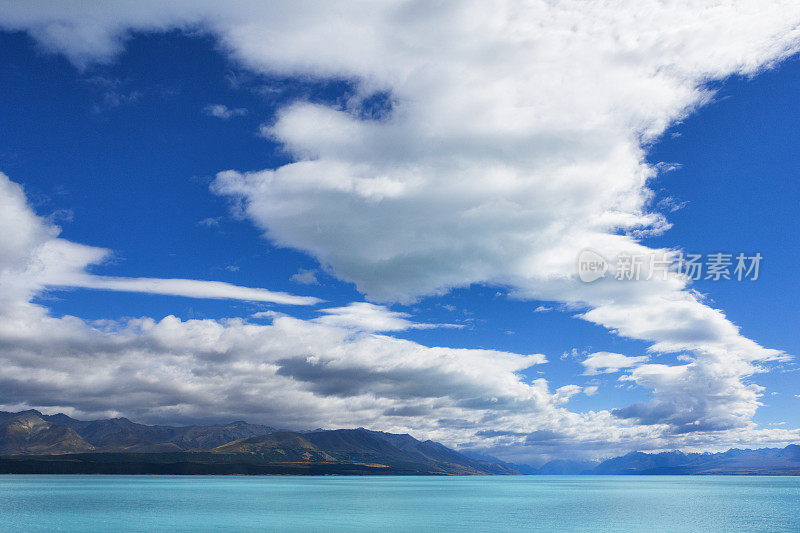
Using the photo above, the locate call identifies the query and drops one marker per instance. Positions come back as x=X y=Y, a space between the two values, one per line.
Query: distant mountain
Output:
x=565 y=467
x=764 y=461
x=36 y=443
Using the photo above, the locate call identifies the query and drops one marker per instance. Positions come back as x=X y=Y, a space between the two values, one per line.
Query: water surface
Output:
x=501 y=503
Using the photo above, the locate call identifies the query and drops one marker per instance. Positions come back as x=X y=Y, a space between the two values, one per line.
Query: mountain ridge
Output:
x=36 y=443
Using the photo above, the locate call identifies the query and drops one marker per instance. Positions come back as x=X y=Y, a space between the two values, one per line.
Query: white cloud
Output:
x=224 y=112
x=183 y=287
x=365 y=316
x=517 y=138
x=210 y=222
x=607 y=362
x=269 y=314
x=113 y=93
x=305 y=277
x=703 y=395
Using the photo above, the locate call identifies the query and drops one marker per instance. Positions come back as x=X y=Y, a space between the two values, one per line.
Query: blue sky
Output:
x=122 y=151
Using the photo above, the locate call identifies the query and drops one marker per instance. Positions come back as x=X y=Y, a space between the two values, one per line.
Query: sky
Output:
x=371 y=215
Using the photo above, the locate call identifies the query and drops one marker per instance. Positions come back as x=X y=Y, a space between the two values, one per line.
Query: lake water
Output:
x=542 y=503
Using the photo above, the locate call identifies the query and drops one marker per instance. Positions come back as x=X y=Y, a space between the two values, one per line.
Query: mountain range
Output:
x=37 y=443
x=763 y=461
x=32 y=442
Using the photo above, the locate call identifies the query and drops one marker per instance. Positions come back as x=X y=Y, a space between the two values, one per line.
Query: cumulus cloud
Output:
x=706 y=394
x=500 y=162
x=163 y=369
x=607 y=362
x=224 y=112
x=305 y=277
x=516 y=138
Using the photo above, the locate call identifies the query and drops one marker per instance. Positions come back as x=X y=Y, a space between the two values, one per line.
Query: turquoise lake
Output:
x=541 y=503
